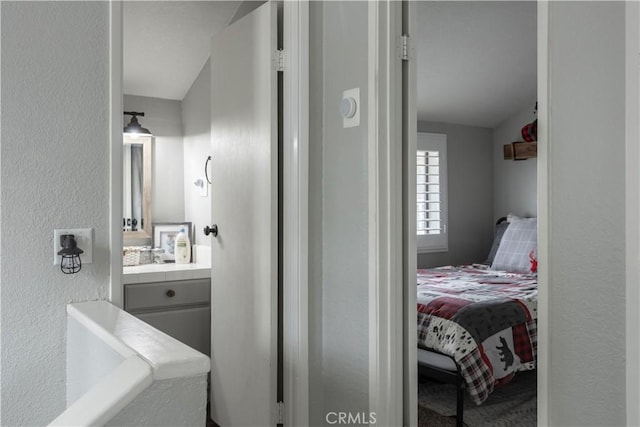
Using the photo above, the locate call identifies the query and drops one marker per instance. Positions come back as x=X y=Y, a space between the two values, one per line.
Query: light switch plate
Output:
x=84 y=239
x=351 y=96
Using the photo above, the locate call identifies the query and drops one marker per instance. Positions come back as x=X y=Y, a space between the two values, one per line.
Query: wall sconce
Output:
x=70 y=262
x=134 y=126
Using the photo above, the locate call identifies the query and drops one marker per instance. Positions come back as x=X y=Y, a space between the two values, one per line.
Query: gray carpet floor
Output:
x=514 y=404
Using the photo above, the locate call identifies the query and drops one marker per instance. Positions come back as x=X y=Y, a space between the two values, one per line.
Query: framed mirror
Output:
x=137 y=171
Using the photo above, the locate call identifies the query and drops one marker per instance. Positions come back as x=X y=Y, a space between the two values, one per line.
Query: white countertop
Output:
x=165 y=272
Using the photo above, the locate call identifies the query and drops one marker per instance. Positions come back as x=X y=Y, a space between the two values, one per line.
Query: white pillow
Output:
x=511 y=217
x=518 y=242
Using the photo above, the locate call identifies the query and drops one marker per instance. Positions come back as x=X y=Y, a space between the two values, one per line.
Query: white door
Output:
x=244 y=169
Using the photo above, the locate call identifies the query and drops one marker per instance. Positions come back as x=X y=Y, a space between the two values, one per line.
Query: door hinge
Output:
x=280 y=411
x=278 y=60
x=405 y=48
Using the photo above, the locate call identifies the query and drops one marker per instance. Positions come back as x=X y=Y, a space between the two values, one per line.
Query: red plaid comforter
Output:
x=484 y=319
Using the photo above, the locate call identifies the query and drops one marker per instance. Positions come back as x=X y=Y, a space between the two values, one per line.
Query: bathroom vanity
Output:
x=174 y=298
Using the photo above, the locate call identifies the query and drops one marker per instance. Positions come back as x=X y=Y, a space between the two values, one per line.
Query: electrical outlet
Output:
x=84 y=240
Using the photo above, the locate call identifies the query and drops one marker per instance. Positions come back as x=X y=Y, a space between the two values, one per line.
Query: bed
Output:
x=477 y=323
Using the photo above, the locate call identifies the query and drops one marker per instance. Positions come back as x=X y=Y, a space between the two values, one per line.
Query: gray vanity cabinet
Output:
x=178 y=308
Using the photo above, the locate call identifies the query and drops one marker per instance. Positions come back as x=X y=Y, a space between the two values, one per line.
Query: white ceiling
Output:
x=476 y=60
x=166 y=43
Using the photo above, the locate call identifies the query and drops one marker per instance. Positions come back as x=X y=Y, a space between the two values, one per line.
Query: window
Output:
x=431 y=195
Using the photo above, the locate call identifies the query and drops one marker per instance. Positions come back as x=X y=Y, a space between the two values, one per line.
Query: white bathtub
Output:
x=122 y=371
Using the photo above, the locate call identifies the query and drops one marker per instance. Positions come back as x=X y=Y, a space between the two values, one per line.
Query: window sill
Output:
x=433 y=250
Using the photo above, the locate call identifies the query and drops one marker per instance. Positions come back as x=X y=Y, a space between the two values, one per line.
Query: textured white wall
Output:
x=55 y=173
x=171 y=402
x=514 y=182
x=89 y=359
x=196 y=119
x=586 y=289
x=163 y=117
x=174 y=402
x=470 y=182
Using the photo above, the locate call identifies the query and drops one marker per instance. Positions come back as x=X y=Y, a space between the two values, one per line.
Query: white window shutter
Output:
x=431 y=192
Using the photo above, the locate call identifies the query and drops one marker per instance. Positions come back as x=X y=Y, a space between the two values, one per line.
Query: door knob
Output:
x=211 y=230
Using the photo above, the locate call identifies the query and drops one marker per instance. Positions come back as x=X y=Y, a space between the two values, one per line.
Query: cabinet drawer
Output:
x=165 y=294
x=192 y=326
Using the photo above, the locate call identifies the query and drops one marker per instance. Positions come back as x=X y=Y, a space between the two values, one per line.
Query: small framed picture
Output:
x=164 y=236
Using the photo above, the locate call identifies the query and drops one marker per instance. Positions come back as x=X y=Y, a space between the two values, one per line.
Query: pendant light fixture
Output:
x=134 y=126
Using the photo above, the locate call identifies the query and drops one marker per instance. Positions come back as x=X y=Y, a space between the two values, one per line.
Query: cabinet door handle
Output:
x=171 y=293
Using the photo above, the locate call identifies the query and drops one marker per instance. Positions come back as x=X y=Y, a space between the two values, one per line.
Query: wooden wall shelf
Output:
x=520 y=150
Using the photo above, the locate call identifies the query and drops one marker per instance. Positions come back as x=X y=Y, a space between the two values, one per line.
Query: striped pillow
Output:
x=518 y=241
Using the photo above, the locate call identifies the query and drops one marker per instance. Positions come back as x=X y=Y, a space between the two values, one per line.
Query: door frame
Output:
x=409 y=142
x=385 y=129
x=295 y=182
x=385 y=216
x=409 y=373
x=544 y=125
x=115 y=152
x=296 y=213
x=632 y=208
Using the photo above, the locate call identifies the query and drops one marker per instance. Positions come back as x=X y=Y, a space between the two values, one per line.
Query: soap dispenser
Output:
x=183 y=248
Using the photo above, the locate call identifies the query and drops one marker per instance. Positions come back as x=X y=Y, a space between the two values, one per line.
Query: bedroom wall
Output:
x=196 y=120
x=55 y=174
x=470 y=178
x=338 y=218
x=164 y=118
x=514 y=182
x=586 y=218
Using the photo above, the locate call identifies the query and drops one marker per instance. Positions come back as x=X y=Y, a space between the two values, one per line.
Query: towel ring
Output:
x=206 y=174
